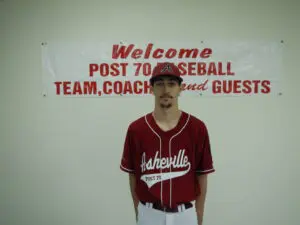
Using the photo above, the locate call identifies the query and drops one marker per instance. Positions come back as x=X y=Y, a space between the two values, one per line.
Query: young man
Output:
x=167 y=155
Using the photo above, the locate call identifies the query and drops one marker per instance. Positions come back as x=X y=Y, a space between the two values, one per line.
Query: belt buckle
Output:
x=169 y=210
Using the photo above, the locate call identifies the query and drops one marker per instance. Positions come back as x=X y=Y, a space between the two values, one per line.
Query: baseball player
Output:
x=168 y=156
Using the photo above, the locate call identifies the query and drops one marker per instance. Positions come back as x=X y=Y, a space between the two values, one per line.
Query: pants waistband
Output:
x=179 y=208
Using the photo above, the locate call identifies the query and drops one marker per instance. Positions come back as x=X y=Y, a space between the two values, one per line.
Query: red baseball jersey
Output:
x=166 y=163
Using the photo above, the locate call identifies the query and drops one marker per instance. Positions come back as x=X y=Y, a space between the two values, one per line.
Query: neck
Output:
x=170 y=114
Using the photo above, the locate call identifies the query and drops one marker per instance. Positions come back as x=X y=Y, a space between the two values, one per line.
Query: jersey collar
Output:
x=181 y=123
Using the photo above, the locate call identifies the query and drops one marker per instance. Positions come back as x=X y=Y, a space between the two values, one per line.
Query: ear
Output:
x=151 y=90
x=181 y=88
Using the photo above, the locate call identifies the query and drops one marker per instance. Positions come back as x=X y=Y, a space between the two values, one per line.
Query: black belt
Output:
x=158 y=206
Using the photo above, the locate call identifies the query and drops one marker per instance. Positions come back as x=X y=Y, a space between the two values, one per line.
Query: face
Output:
x=166 y=91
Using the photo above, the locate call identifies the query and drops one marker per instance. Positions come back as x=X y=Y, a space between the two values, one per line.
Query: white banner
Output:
x=209 y=68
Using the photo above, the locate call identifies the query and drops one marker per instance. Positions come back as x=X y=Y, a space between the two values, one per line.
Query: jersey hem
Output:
x=205 y=171
x=126 y=170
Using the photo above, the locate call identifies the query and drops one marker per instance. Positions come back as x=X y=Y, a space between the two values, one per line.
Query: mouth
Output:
x=164 y=97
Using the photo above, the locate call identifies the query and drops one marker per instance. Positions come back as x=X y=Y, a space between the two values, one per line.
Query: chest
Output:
x=167 y=151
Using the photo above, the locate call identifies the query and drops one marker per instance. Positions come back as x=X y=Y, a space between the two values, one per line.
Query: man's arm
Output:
x=200 y=200
x=132 y=184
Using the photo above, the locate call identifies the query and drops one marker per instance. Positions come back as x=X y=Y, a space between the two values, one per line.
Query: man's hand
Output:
x=200 y=200
x=132 y=184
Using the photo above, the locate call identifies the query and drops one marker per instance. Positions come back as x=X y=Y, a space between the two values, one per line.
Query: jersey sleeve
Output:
x=204 y=159
x=127 y=161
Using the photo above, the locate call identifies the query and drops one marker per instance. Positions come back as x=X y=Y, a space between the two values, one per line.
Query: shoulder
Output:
x=138 y=124
x=196 y=123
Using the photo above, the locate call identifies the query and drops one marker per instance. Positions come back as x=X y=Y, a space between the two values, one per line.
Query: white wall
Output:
x=62 y=168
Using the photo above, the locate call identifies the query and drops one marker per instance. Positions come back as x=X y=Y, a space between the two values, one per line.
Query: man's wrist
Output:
x=199 y=218
x=200 y=221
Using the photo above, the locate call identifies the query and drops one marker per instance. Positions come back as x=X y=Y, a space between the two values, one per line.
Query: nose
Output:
x=166 y=88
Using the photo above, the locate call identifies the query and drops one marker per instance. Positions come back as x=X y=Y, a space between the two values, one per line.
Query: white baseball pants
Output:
x=150 y=216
